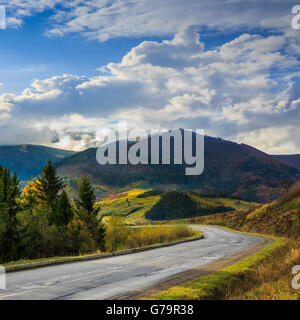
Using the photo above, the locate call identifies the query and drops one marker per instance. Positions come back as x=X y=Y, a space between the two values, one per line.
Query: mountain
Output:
x=292 y=159
x=28 y=160
x=231 y=169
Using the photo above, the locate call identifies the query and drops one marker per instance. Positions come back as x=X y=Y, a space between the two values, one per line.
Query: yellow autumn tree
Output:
x=30 y=194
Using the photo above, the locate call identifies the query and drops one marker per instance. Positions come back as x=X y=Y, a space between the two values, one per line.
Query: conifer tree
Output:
x=63 y=211
x=88 y=213
x=9 y=193
x=49 y=185
x=86 y=196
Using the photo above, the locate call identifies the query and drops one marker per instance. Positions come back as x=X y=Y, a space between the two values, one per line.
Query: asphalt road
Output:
x=105 y=278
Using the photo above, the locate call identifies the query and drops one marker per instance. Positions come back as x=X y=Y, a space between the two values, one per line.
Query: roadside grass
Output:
x=140 y=237
x=230 y=281
x=274 y=278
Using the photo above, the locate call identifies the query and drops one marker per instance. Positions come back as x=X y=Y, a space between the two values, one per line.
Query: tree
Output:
x=86 y=196
x=63 y=211
x=30 y=194
x=49 y=185
x=79 y=239
x=88 y=213
x=9 y=206
x=116 y=233
x=94 y=224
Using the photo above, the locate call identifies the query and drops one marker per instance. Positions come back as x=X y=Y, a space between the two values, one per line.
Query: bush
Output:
x=79 y=240
x=152 y=235
x=116 y=233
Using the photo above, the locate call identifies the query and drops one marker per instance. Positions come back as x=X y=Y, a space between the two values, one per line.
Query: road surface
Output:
x=120 y=275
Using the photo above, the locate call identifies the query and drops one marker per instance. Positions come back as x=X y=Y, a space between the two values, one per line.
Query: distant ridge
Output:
x=292 y=159
x=231 y=169
x=28 y=160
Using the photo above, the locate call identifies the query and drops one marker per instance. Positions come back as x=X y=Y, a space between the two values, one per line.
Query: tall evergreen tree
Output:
x=63 y=211
x=49 y=185
x=9 y=193
x=86 y=196
x=88 y=213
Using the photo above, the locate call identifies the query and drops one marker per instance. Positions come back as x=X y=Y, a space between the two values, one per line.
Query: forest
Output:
x=44 y=221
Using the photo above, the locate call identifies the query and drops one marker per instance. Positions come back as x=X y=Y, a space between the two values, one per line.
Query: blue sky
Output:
x=32 y=55
x=29 y=54
x=70 y=68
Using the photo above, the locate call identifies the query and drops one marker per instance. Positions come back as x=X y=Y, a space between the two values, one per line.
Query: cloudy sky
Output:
x=71 y=68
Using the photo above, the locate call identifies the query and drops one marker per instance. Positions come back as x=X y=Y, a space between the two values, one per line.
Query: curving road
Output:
x=120 y=275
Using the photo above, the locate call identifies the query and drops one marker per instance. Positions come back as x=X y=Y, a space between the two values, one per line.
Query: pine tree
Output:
x=86 y=196
x=63 y=211
x=9 y=193
x=88 y=213
x=49 y=185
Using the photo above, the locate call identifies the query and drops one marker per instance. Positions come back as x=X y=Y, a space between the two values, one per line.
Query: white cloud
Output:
x=275 y=139
x=245 y=89
x=106 y=19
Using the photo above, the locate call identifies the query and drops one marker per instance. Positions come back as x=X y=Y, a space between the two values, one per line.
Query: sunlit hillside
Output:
x=129 y=205
x=133 y=204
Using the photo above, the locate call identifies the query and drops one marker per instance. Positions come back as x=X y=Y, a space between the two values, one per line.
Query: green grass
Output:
x=129 y=205
x=144 y=236
x=217 y=285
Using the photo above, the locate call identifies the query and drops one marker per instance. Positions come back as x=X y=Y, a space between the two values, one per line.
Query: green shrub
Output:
x=116 y=233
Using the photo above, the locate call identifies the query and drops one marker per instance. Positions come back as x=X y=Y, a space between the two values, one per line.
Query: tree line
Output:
x=45 y=221
x=179 y=205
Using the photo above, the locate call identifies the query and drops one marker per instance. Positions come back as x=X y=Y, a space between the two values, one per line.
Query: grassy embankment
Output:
x=264 y=275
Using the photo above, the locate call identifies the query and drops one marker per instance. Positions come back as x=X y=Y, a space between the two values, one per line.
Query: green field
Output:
x=128 y=205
